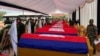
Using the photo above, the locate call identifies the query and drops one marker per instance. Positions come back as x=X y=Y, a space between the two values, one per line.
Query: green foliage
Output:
x=65 y=16
x=2 y=13
x=53 y=17
x=61 y=17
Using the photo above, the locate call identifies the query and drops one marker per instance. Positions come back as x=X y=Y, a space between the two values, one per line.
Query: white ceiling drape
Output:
x=86 y=1
x=9 y=8
x=49 y=6
x=89 y=1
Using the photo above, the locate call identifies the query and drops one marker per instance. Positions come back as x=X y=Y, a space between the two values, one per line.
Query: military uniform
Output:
x=91 y=33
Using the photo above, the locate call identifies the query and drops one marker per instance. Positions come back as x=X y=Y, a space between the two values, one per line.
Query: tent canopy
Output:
x=49 y=6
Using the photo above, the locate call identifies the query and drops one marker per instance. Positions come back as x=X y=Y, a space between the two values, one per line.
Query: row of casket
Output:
x=56 y=39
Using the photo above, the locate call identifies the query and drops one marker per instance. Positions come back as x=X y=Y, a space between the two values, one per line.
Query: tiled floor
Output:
x=97 y=54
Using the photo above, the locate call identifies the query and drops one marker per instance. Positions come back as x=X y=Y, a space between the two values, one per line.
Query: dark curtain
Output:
x=98 y=16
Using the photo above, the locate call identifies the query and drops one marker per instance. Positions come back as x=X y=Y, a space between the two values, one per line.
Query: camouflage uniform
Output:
x=91 y=33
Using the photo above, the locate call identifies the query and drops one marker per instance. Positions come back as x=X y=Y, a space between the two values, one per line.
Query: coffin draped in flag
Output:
x=13 y=36
x=60 y=43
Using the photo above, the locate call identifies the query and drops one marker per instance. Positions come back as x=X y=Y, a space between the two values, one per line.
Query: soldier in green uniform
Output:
x=92 y=34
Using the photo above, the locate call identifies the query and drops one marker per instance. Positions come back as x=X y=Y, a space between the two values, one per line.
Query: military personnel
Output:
x=92 y=34
x=7 y=21
x=70 y=22
x=20 y=28
x=32 y=24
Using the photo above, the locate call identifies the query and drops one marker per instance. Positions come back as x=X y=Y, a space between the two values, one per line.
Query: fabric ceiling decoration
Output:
x=9 y=8
x=49 y=6
x=87 y=1
x=68 y=5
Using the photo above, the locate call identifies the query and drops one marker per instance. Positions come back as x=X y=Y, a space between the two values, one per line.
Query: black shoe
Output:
x=14 y=54
x=94 y=52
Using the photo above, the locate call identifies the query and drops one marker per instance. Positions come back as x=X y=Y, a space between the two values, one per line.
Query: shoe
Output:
x=94 y=52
